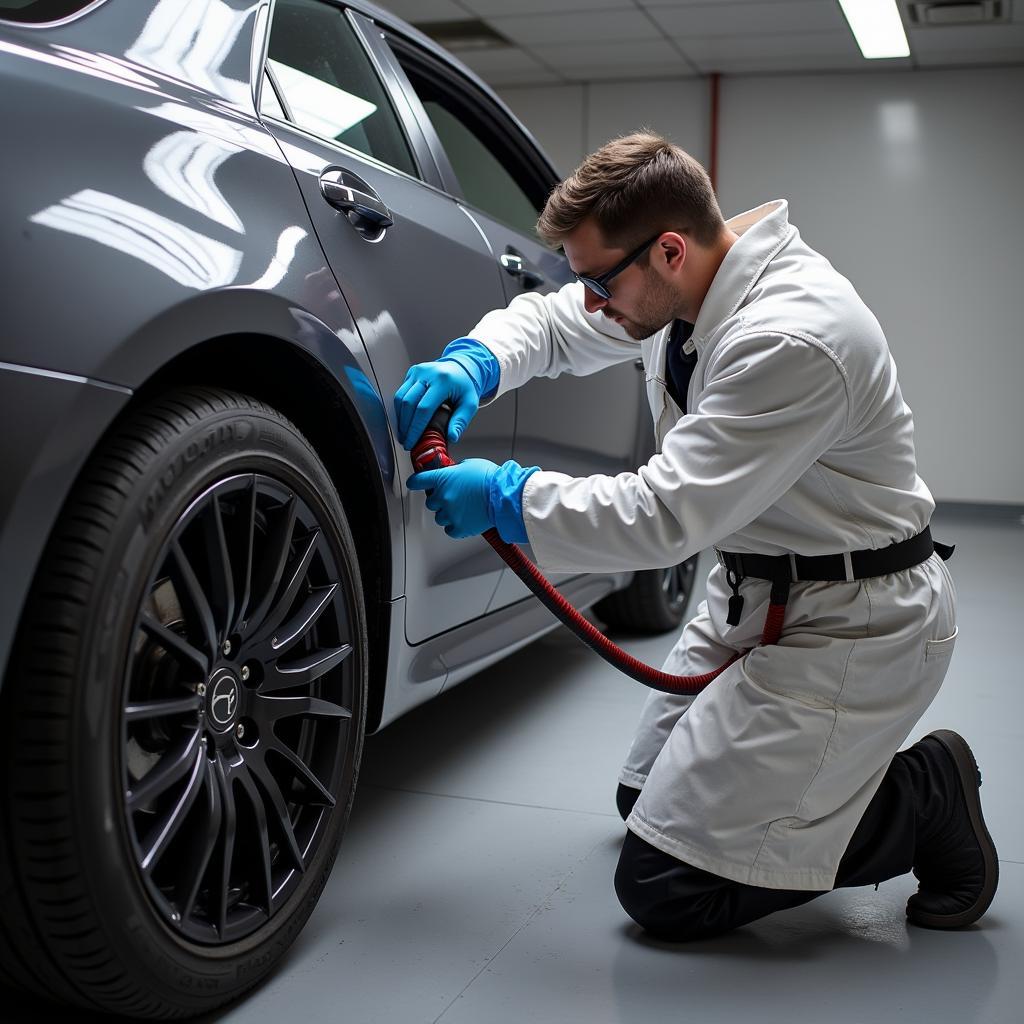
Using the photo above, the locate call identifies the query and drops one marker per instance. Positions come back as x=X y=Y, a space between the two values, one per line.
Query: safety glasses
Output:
x=599 y=285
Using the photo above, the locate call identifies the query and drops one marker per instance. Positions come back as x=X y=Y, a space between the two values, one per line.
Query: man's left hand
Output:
x=459 y=496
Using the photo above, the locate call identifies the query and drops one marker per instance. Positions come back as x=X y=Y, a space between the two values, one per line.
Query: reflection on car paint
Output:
x=192 y=259
x=183 y=164
x=284 y=253
x=83 y=63
x=190 y=42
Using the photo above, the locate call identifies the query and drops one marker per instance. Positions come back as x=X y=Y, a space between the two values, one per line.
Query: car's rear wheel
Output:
x=183 y=719
x=654 y=602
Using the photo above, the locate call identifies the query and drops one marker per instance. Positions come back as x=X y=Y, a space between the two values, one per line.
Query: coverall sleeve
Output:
x=546 y=335
x=771 y=406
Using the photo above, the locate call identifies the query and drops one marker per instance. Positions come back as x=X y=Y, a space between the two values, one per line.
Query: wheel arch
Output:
x=291 y=380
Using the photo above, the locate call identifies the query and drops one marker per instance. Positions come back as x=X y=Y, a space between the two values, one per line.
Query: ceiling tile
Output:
x=1005 y=39
x=701 y=50
x=421 y=11
x=629 y=72
x=747 y=18
x=593 y=26
x=625 y=54
x=496 y=8
x=507 y=58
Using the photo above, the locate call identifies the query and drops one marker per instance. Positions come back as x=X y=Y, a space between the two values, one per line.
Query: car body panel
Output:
x=157 y=213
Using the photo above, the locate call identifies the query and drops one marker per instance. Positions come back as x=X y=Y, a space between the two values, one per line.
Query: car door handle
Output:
x=351 y=195
x=515 y=265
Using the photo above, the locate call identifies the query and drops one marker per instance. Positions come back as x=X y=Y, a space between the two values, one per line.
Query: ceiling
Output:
x=554 y=41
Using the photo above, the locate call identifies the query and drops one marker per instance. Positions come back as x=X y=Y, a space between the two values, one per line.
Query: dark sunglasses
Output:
x=599 y=285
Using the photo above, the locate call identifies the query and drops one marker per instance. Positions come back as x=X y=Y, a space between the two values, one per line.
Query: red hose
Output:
x=431 y=452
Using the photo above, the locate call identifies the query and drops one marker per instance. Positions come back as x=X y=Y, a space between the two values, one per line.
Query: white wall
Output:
x=911 y=184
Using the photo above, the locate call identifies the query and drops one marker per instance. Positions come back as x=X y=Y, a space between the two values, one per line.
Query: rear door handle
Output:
x=351 y=195
x=515 y=265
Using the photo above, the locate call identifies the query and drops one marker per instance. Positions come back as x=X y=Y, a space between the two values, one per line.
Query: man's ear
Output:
x=671 y=248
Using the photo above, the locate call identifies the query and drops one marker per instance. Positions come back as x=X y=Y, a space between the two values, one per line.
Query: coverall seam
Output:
x=763 y=329
x=839 y=693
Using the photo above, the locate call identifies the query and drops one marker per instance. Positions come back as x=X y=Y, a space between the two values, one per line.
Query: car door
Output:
x=413 y=268
x=577 y=425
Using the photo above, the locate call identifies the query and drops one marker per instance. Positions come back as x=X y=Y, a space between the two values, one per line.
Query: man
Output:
x=782 y=434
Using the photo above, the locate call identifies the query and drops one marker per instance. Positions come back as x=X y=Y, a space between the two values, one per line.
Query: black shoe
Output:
x=956 y=865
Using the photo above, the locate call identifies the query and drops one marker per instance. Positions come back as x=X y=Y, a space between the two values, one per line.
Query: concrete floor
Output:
x=474 y=884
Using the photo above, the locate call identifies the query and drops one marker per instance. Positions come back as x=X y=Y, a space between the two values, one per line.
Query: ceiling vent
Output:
x=460 y=36
x=940 y=13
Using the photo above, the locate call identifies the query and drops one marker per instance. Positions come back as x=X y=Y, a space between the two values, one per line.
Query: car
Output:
x=227 y=229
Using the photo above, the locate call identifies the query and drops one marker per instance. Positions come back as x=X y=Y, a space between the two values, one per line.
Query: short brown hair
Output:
x=633 y=187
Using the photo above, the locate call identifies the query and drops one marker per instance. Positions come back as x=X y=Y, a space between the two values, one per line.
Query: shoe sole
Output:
x=970 y=782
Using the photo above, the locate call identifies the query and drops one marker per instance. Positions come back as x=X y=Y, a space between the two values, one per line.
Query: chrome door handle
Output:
x=515 y=265
x=349 y=198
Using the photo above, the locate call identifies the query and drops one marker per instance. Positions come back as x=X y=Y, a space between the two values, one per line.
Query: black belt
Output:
x=782 y=570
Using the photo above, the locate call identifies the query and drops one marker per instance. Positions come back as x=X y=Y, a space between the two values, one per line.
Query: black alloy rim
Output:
x=677 y=582
x=238 y=702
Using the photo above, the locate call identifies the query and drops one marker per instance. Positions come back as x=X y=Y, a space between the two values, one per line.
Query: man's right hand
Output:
x=425 y=388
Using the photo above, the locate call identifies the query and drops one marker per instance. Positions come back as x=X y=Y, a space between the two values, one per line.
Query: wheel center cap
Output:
x=222 y=699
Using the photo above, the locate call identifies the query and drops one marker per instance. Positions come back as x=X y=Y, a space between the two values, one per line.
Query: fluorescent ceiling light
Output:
x=877 y=27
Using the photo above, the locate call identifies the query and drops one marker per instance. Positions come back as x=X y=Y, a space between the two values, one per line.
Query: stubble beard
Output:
x=658 y=310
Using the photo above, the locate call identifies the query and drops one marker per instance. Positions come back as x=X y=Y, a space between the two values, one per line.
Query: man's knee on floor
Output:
x=647 y=894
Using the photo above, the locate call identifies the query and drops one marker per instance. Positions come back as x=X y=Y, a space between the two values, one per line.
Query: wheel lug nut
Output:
x=245 y=673
x=226 y=648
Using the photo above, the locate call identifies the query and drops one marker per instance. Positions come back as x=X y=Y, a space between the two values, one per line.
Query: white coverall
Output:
x=798 y=441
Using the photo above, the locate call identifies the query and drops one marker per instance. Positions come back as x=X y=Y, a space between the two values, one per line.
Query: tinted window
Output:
x=480 y=148
x=328 y=85
x=39 y=11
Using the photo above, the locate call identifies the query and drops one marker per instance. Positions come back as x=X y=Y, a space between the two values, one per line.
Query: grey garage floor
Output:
x=474 y=884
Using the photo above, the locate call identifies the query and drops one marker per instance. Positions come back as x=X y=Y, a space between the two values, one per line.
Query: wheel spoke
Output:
x=229 y=822
x=263 y=835
x=187 y=584
x=168 y=827
x=274 y=561
x=202 y=846
x=272 y=791
x=296 y=575
x=172 y=767
x=246 y=588
x=303 y=772
x=303 y=671
x=162 y=708
x=174 y=643
x=303 y=620
x=273 y=709
x=221 y=578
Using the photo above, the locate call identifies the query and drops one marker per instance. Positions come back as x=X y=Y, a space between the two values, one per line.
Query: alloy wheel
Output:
x=237 y=708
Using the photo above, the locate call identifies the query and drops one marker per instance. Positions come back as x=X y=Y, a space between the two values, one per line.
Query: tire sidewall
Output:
x=222 y=444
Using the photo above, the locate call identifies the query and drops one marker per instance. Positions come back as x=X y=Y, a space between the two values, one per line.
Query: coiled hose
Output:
x=431 y=452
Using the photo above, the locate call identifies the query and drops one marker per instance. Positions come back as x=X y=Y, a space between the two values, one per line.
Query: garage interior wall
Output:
x=910 y=184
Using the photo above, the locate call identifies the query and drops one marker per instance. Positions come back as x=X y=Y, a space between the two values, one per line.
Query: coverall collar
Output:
x=763 y=231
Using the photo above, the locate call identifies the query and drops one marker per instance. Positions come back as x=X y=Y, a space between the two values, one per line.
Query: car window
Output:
x=479 y=152
x=39 y=11
x=328 y=85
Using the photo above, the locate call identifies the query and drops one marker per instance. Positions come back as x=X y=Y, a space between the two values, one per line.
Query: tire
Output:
x=169 y=818
x=654 y=602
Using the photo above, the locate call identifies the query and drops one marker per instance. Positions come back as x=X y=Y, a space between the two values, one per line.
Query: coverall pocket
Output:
x=940 y=648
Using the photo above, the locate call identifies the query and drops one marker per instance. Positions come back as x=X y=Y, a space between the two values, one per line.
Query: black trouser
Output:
x=673 y=900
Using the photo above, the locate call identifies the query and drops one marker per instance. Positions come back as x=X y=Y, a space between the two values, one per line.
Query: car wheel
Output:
x=654 y=602
x=183 y=719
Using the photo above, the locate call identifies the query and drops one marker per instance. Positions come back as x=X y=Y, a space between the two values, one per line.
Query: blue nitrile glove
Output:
x=464 y=373
x=475 y=495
